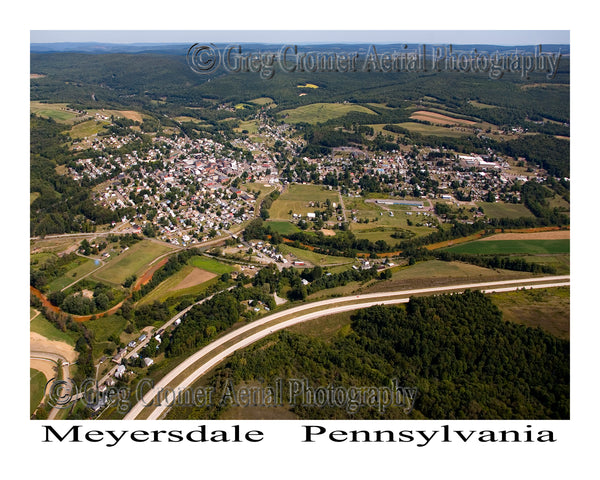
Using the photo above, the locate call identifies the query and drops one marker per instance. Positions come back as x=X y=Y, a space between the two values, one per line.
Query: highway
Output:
x=186 y=373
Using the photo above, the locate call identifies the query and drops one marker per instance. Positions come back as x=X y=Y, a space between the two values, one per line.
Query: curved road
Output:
x=186 y=373
x=54 y=358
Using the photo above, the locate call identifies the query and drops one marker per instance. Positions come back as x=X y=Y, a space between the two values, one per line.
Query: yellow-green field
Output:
x=37 y=383
x=263 y=188
x=297 y=198
x=174 y=286
x=548 y=309
x=435 y=273
x=477 y=104
x=262 y=101
x=321 y=112
x=79 y=268
x=504 y=210
x=436 y=130
x=250 y=125
x=55 y=111
x=87 y=129
x=381 y=224
x=131 y=262
x=314 y=258
x=44 y=327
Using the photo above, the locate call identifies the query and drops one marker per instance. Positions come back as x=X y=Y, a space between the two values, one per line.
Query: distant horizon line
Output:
x=296 y=43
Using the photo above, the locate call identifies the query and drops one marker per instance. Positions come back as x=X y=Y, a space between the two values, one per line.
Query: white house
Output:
x=120 y=371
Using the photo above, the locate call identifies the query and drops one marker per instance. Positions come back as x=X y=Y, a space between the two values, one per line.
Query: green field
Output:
x=104 y=327
x=491 y=247
x=55 y=111
x=131 y=262
x=381 y=224
x=210 y=265
x=250 y=125
x=504 y=210
x=560 y=261
x=312 y=257
x=321 y=112
x=373 y=235
x=254 y=186
x=87 y=129
x=433 y=273
x=325 y=328
x=435 y=130
x=45 y=328
x=285 y=228
x=548 y=309
x=80 y=267
x=261 y=101
x=477 y=104
x=166 y=289
x=297 y=197
x=37 y=383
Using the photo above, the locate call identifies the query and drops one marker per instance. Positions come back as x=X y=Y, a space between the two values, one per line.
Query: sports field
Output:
x=285 y=228
x=321 y=112
x=131 y=262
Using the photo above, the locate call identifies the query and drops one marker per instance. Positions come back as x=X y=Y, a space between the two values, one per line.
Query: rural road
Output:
x=53 y=358
x=167 y=324
x=186 y=373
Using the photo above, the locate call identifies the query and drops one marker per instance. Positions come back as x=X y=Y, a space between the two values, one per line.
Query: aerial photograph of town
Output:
x=349 y=229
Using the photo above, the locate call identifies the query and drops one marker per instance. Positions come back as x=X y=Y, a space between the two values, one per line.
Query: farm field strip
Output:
x=132 y=261
x=513 y=246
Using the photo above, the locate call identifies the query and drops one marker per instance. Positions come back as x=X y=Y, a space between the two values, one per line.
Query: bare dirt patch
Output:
x=39 y=343
x=87 y=294
x=551 y=235
x=47 y=368
x=439 y=118
x=132 y=115
x=327 y=232
x=195 y=277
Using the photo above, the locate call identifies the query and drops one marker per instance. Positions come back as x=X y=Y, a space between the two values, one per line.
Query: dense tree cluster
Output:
x=465 y=361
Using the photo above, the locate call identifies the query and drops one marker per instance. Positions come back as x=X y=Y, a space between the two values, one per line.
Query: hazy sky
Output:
x=457 y=37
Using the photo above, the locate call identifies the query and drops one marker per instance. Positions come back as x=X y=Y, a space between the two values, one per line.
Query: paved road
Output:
x=167 y=324
x=207 y=357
